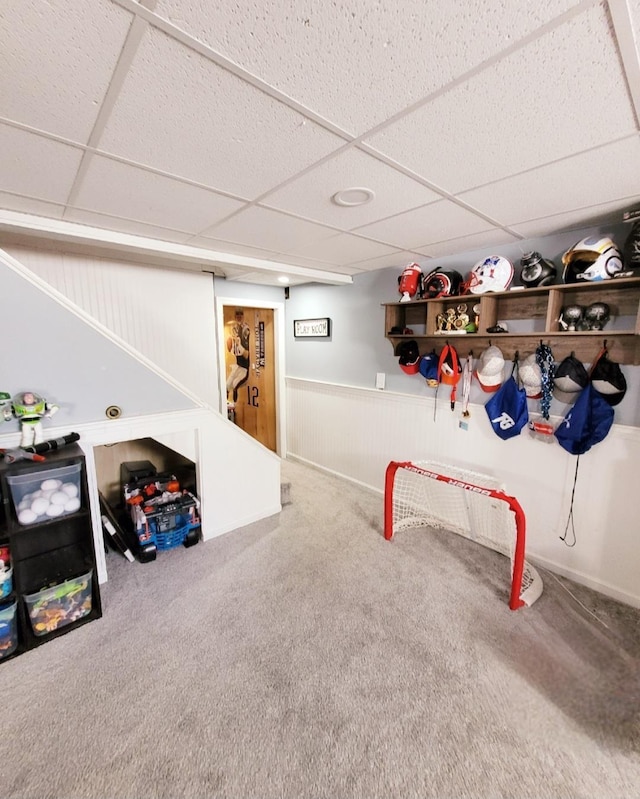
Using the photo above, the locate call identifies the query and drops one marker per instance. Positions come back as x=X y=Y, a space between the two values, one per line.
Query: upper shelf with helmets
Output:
x=598 y=300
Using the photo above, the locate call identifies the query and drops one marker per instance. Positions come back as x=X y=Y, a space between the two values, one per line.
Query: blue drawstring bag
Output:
x=586 y=423
x=507 y=409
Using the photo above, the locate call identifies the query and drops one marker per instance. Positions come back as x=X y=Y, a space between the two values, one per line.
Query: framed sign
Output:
x=312 y=328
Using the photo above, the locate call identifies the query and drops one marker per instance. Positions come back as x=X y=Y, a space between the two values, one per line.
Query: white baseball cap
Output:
x=531 y=377
x=490 y=369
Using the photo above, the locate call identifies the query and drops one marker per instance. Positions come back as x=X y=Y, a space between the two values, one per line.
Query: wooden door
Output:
x=250 y=371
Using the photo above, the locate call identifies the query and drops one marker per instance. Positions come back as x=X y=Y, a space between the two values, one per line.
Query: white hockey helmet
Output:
x=591 y=259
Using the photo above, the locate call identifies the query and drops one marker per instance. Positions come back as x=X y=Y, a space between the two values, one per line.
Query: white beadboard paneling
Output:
x=166 y=315
x=355 y=432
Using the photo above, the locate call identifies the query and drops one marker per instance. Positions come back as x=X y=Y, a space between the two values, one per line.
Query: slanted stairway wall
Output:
x=60 y=352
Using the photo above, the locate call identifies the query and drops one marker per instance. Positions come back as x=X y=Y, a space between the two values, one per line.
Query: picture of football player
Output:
x=238 y=344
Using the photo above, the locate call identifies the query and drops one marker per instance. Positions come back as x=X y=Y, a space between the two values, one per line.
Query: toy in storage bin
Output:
x=59 y=605
x=8 y=628
x=46 y=494
x=6 y=579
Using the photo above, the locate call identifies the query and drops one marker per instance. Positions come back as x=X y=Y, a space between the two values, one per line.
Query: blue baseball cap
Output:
x=507 y=410
x=586 y=423
x=429 y=369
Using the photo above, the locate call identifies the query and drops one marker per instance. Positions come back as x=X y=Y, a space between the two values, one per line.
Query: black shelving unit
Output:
x=49 y=551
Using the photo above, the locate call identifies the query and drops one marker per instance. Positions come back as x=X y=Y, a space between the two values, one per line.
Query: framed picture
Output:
x=312 y=328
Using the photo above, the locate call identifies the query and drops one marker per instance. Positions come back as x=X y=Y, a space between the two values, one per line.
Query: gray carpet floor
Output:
x=305 y=656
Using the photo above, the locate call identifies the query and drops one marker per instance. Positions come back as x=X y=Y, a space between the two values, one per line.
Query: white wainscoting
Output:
x=355 y=432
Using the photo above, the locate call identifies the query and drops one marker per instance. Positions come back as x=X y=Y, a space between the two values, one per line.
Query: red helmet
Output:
x=442 y=283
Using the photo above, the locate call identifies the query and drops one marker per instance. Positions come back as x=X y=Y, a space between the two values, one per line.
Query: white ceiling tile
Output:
x=57 y=70
x=562 y=93
x=607 y=213
x=310 y=195
x=124 y=225
x=414 y=230
x=181 y=113
x=28 y=205
x=111 y=187
x=343 y=249
x=600 y=176
x=37 y=167
x=363 y=61
x=400 y=258
x=270 y=230
x=489 y=238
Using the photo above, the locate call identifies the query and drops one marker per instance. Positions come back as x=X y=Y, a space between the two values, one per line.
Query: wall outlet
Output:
x=380 y=379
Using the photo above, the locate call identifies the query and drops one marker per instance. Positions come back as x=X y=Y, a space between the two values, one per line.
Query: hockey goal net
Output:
x=473 y=505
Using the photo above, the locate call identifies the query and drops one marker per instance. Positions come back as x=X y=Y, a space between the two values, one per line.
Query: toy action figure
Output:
x=29 y=409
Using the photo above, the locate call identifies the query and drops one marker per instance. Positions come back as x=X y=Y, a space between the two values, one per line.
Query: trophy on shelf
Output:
x=597 y=315
x=457 y=320
x=571 y=317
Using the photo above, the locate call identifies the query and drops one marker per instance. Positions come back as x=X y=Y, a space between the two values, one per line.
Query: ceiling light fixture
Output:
x=353 y=196
x=283 y=279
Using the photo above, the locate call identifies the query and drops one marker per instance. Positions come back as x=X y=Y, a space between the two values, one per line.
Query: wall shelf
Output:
x=532 y=315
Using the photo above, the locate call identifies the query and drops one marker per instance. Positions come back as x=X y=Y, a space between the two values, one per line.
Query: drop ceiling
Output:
x=214 y=136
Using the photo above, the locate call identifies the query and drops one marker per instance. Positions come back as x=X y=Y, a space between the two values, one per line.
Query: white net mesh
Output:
x=461 y=503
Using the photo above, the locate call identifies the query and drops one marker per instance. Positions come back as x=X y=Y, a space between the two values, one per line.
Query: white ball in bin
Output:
x=70 y=488
x=46 y=485
x=59 y=498
x=55 y=510
x=72 y=505
x=27 y=516
x=40 y=505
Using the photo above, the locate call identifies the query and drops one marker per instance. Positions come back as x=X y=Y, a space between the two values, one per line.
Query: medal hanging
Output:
x=467 y=375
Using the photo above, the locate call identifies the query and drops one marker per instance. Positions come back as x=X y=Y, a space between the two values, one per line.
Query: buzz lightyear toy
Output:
x=29 y=409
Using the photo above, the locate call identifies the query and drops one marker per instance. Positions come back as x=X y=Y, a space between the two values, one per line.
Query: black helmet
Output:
x=536 y=270
x=631 y=249
x=442 y=283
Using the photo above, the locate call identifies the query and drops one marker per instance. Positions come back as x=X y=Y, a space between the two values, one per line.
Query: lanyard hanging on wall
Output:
x=467 y=376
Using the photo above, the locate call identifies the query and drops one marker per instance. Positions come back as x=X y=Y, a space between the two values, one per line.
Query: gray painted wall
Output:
x=54 y=353
x=358 y=349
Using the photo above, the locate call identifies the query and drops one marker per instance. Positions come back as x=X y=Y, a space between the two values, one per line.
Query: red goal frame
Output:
x=519 y=567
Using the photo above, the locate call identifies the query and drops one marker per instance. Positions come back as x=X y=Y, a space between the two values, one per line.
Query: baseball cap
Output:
x=449 y=369
x=608 y=380
x=409 y=356
x=531 y=377
x=428 y=368
x=586 y=423
x=569 y=380
x=507 y=410
x=490 y=369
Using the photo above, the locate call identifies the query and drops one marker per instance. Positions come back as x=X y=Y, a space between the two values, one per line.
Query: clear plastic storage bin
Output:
x=8 y=629
x=59 y=605
x=6 y=581
x=46 y=494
